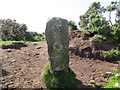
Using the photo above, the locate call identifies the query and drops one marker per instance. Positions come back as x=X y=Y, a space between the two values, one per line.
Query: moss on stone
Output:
x=61 y=80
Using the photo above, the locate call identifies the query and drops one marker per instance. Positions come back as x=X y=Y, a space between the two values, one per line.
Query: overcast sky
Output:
x=35 y=13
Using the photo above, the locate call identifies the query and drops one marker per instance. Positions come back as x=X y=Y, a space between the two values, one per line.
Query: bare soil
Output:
x=22 y=67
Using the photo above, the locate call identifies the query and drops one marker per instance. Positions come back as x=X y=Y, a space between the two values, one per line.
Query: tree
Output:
x=118 y=13
x=95 y=8
x=72 y=26
x=110 y=9
x=12 y=30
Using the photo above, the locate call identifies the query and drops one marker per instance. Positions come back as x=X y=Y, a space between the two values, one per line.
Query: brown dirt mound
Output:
x=77 y=34
x=82 y=46
x=22 y=67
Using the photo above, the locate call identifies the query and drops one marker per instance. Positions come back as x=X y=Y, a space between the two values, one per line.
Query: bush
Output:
x=113 y=80
x=98 y=38
x=116 y=32
x=9 y=42
x=58 y=81
x=113 y=53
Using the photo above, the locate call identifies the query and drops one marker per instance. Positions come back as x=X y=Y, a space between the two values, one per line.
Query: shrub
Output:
x=116 y=32
x=113 y=80
x=113 y=53
x=98 y=38
x=58 y=81
x=9 y=42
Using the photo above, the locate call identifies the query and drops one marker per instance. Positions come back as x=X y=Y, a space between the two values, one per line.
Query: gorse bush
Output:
x=116 y=32
x=13 y=31
x=113 y=53
x=94 y=21
x=98 y=38
x=64 y=80
x=113 y=80
x=10 y=30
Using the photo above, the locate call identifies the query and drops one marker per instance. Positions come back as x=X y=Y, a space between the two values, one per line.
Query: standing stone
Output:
x=58 y=42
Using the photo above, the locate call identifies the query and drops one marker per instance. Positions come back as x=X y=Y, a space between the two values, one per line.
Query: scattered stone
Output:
x=117 y=85
x=92 y=81
x=17 y=84
x=36 y=54
x=92 y=78
x=70 y=63
x=104 y=80
x=14 y=60
x=28 y=58
x=15 y=72
x=98 y=85
x=38 y=47
x=117 y=74
x=28 y=54
x=8 y=83
x=107 y=74
x=8 y=50
x=11 y=85
x=34 y=43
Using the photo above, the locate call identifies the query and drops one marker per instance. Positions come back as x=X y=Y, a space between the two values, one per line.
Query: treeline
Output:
x=94 y=22
x=11 y=30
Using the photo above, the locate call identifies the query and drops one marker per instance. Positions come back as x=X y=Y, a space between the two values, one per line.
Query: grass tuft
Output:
x=66 y=80
x=8 y=42
x=113 y=80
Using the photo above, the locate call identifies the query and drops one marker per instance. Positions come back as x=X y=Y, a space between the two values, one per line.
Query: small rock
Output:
x=92 y=78
x=8 y=83
x=70 y=63
x=9 y=50
x=117 y=85
x=14 y=60
x=104 y=80
x=28 y=58
x=92 y=81
x=24 y=51
x=34 y=43
x=98 y=85
x=117 y=74
x=11 y=85
x=107 y=74
x=14 y=72
x=90 y=85
x=36 y=54
x=28 y=54
x=38 y=47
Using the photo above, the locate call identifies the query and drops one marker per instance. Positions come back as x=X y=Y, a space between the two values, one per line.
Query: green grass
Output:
x=8 y=42
x=66 y=80
x=113 y=80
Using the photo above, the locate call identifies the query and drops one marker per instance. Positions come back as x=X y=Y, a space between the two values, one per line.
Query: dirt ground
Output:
x=21 y=68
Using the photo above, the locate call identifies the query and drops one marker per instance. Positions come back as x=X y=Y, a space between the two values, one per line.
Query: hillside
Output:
x=23 y=65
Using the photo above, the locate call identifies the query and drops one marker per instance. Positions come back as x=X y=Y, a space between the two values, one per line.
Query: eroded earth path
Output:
x=22 y=67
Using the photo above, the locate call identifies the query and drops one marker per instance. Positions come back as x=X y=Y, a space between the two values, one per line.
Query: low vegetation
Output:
x=113 y=54
x=93 y=23
x=66 y=80
x=8 y=42
x=13 y=31
x=113 y=80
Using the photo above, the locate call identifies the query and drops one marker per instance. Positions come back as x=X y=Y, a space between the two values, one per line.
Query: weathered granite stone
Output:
x=58 y=42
